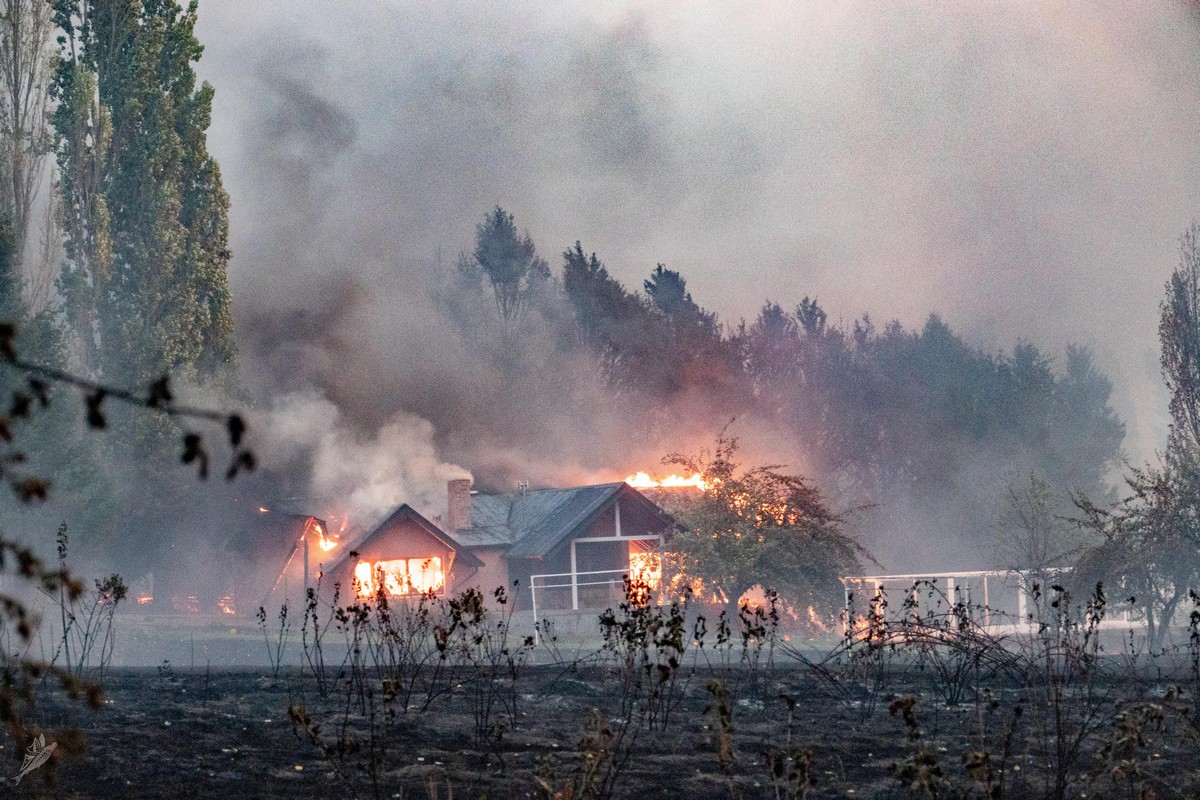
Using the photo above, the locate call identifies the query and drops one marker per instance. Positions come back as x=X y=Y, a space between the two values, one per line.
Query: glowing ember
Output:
x=263 y=509
x=815 y=621
x=643 y=480
x=226 y=604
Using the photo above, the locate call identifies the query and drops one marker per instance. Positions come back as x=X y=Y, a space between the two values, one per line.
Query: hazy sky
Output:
x=1023 y=169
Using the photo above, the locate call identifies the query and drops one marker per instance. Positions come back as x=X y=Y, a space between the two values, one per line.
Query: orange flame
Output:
x=326 y=543
x=336 y=530
x=399 y=577
x=643 y=480
x=145 y=599
x=645 y=568
x=226 y=604
x=815 y=621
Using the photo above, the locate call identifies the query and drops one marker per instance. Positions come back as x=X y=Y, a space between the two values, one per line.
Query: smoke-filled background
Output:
x=1023 y=172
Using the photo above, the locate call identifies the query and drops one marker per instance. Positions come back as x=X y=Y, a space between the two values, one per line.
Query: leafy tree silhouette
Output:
x=19 y=672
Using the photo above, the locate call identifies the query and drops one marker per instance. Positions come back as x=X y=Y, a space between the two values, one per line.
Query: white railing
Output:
x=573 y=582
x=1011 y=581
x=612 y=578
x=877 y=582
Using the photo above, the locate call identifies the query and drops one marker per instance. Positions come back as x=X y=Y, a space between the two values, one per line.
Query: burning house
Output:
x=552 y=548
x=405 y=555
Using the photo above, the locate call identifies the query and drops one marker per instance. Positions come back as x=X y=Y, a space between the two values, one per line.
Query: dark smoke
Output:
x=1024 y=173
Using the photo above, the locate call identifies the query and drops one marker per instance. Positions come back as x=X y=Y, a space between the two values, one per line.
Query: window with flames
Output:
x=645 y=567
x=400 y=577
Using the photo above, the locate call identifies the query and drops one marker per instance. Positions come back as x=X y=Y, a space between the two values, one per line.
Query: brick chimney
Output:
x=458 y=510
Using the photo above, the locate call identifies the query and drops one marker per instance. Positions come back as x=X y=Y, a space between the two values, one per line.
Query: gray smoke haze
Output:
x=366 y=476
x=1024 y=171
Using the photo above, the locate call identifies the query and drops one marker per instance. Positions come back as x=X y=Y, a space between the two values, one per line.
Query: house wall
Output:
x=590 y=557
x=636 y=520
x=519 y=571
x=492 y=574
x=605 y=524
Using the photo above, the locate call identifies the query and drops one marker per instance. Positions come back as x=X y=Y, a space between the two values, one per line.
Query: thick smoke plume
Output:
x=1024 y=173
x=363 y=476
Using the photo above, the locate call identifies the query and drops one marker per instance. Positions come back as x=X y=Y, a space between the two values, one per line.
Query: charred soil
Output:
x=728 y=733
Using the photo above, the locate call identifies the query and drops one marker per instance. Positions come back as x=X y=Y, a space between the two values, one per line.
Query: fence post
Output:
x=1021 y=596
x=845 y=607
x=574 y=579
x=987 y=608
x=537 y=640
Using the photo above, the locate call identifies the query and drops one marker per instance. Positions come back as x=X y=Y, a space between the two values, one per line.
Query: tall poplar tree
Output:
x=1179 y=334
x=25 y=62
x=145 y=216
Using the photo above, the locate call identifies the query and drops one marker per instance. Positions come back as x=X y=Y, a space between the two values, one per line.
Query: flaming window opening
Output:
x=645 y=573
x=226 y=605
x=400 y=577
x=645 y=568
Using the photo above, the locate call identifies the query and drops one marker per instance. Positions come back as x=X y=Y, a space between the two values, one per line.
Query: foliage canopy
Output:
x=759 y=527
x=144 y=211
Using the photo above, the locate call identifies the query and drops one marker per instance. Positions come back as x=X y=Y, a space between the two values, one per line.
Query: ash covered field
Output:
x=902 y=707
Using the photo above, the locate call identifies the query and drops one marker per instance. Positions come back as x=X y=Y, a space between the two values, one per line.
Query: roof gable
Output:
x=406 y=513
x=534 y=523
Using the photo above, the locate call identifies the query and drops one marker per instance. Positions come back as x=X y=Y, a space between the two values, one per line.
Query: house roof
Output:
x=533 y=523
x=268 y=537
x=407 y=513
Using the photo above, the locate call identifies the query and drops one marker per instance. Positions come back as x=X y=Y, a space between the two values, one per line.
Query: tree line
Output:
x=922 y=433
x=1012 y=459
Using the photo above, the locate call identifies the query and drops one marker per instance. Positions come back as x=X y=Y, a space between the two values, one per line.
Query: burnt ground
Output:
x=202 y=734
